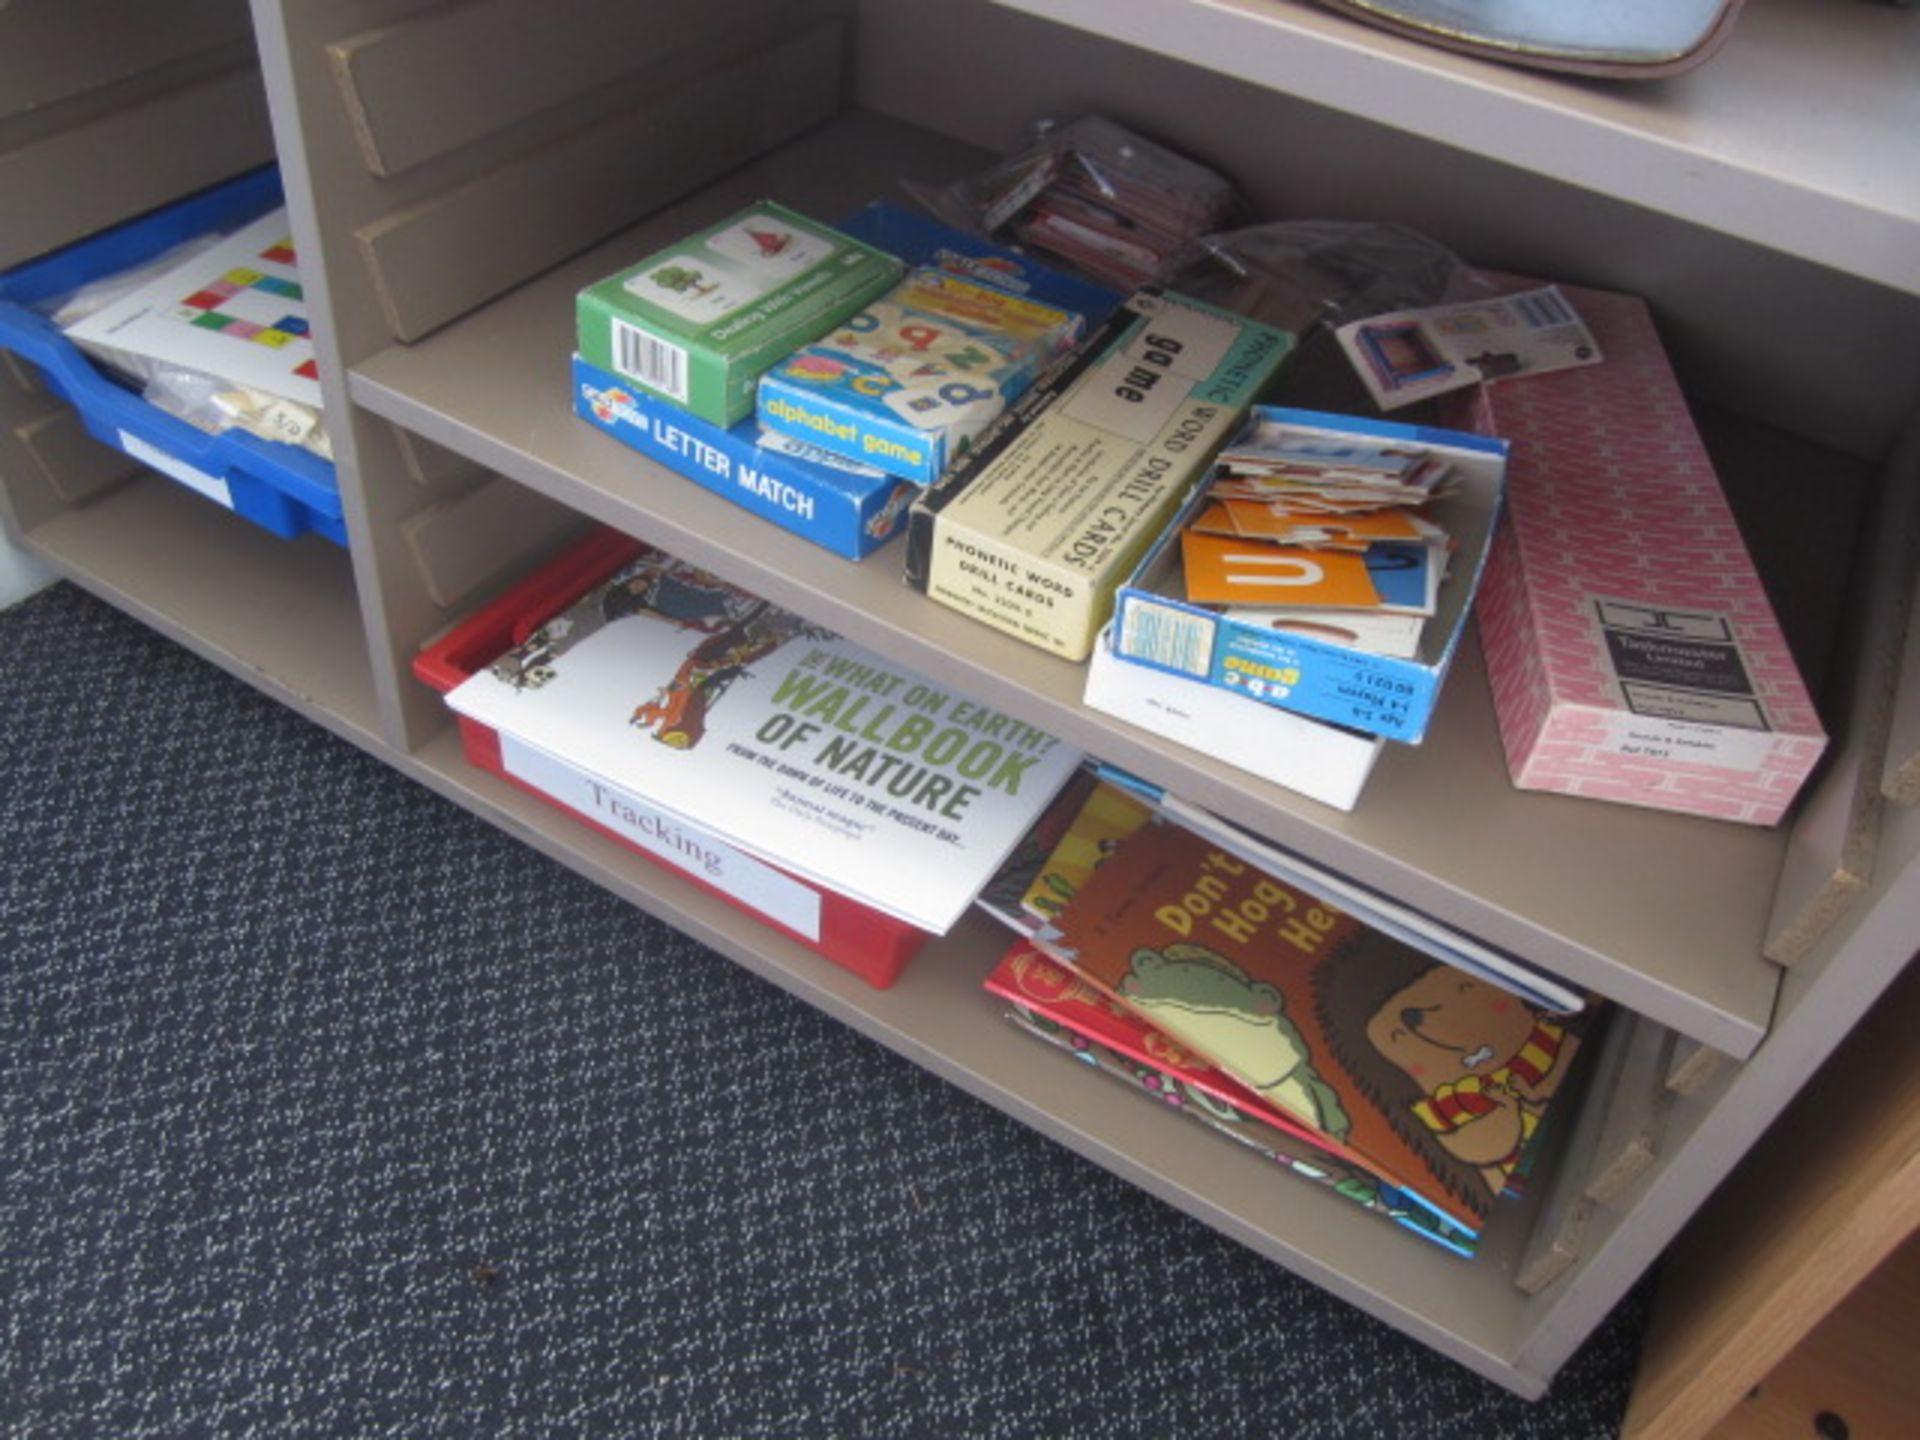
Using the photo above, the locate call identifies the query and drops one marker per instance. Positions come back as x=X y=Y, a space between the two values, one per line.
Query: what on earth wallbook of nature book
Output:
x=1436 y=1078
x=778 y=736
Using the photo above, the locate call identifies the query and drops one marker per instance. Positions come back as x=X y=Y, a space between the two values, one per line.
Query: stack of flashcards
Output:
x=1321 y=534
x=906 y=384
x=1315 y=476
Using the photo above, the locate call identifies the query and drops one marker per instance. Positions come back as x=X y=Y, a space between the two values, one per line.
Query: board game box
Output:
x=848 y=508
x=843 y=505
x=697 y=323
x=908 y=382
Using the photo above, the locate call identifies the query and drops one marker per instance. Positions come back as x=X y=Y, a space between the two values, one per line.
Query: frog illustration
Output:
x=1207 y=1000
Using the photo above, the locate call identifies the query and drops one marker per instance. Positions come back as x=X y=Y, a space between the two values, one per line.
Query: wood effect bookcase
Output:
x=456 y=170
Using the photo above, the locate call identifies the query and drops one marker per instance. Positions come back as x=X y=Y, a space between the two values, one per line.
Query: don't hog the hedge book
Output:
x=1437 y=1079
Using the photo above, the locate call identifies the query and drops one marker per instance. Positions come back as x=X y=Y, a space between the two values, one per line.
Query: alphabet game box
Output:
x=906 y=384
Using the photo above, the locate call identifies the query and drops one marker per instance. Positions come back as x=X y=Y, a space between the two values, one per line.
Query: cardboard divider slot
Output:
x=590 y=183
x=76 y=466
x=461 y=544
x=131 y=148
x=437 y=82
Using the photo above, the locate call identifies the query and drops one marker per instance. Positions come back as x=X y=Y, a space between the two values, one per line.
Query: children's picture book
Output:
x=1049 y=1000
x=234 y=310
x=1381 y=912
x=1437 y=1078
x=1107 y=816
x=1001 y=896
x=777 y=736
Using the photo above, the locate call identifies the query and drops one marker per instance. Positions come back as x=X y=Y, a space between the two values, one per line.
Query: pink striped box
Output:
x=1633 y=653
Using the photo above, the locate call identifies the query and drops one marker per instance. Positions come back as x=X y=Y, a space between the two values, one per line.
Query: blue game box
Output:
x=1378 y=694
x=849 y=509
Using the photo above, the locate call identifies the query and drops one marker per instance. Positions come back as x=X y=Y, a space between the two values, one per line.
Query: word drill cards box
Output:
x=1034 y=528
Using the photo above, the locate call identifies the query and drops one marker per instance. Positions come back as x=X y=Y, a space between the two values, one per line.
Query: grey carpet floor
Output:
x=328 y=1110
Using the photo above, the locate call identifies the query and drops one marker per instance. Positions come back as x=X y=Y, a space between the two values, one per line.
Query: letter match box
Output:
x=697 y=323
x=1632 y=650
x=847 y=508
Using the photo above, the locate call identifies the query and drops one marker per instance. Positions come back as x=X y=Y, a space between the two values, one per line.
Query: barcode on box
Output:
x=658 y=364
x=1168 y=637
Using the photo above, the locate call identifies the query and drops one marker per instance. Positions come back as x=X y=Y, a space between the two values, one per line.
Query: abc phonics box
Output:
x=697 y=323
x=1630 y=644
x=1385 y=695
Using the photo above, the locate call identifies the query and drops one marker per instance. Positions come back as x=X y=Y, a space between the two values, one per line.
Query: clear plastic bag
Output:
x=1091 y=192
x=69 y=309
x=209 y=403
x=1299 y=274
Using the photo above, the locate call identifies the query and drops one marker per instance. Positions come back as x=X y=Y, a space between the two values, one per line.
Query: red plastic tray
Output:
x=874 y=946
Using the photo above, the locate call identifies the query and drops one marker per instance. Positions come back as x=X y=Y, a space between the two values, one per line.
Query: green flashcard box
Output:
x=697 y=323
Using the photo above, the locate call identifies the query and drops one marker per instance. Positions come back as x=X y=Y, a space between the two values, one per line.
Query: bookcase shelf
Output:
x=939 y=1016
x=281 y=615
x=1798 y=134
x=1773 y=226
x=1567 y=883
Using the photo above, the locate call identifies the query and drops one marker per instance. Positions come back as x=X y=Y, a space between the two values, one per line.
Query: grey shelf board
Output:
x=280 y=614
x=1663 y=913
x=1799 y=134
x=938 y=1016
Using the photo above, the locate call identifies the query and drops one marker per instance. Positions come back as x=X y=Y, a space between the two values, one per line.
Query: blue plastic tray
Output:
x=281 y=488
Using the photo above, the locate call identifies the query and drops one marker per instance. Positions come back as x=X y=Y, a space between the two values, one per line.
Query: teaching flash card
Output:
x=1407 y=355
